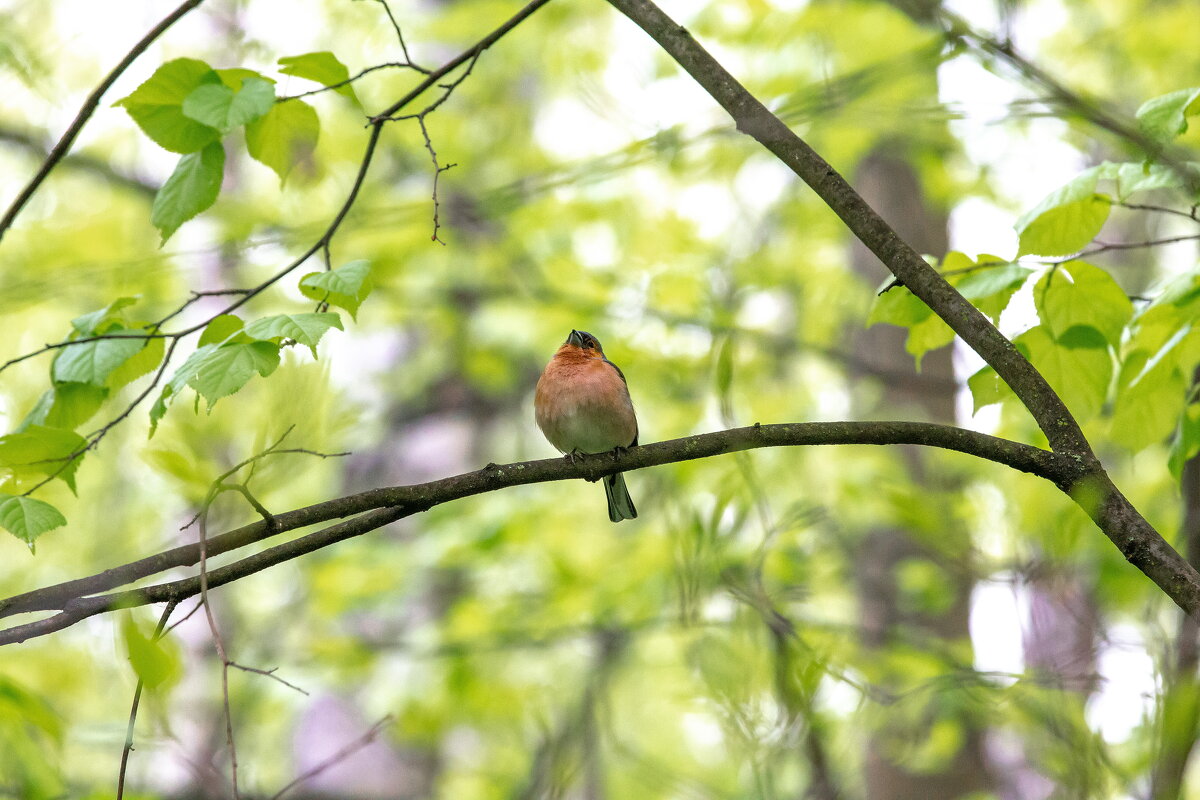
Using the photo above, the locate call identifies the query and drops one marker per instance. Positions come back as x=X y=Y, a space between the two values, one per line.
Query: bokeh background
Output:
x=820 y=622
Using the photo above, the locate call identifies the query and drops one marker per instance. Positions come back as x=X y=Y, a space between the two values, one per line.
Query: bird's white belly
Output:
x=583 y=431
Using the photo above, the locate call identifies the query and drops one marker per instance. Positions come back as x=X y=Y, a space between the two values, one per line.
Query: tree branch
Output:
x=86 y=111
x=1138 y=541
x=79 y=599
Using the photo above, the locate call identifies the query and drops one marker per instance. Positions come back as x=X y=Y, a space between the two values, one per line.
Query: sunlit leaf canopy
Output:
x=594 y=187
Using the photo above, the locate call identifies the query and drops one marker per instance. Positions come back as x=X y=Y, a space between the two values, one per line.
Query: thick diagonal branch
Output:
x=1140 y=543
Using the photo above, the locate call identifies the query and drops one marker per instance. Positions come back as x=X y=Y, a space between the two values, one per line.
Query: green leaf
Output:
x=929 y=334
x=898 y=306
x=40 y=450
x=234 y=77
x=322 y=67
x=991 y=288
x=1077 y=365
x=987 y=388
x=1078 y=293
x=154 y=664
x=221 y=328
x=157 y=105
x=1165 y=117
x=227 y=369
x=345 y=287
x=1133 y=178
x=220 y=107
x=27 y=518
x=1067 y=219
x=181 y=376
x=1186 y=443
x=305 y=329
x=286 y=136
x=93 y=361
x=192 y=188
x=145 y=360
x=1149 y=402
x=67 y=405
x=100 y=320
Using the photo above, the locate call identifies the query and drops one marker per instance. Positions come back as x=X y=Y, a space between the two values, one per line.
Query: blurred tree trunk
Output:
x=1179 y=705
x=890 y=185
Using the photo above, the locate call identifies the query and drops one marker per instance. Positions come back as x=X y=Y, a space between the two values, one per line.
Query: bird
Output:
x=582 y=406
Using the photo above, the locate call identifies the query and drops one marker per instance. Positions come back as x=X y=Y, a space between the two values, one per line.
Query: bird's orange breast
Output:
x=582 y=404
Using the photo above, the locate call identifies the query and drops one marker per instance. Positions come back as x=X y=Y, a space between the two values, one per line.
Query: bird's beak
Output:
x=575 y=339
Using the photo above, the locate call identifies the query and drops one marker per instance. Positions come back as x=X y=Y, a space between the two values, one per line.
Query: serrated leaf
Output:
x=322 y=67
x=67 y=405
x=284 y=137
x=28 y=518
x=218 y=106
x=1078 y=293
x=93 y=361
x=192 y=188
x=157 y=105
x=1165 y=117
x=153 y=662
x=306 y=329
x=1079 y=368
x=227 y=368
x=345 y=287
x=40 y=450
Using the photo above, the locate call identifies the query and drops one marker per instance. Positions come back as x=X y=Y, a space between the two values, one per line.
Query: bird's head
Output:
x=586 y=344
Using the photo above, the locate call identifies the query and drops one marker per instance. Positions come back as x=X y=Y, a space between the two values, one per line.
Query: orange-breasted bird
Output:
x=582 y=406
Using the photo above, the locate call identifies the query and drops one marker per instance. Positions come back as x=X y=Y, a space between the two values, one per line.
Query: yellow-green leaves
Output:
x=223 y=108
x=28 y=518
x=1163 y=118
x=284 y=137
x=322 y=67
x=230 y=354
x=157 y=105
x=193 y=187
x=156 y=663
x=40 y=451
x=345 y=287
x=1077 y=293
x=1066 y=220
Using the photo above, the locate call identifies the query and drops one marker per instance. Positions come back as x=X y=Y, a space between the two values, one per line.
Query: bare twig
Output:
x=400 y=37
x=86 y=111
x=137 y=698
x=341 y=754
x=334 y=86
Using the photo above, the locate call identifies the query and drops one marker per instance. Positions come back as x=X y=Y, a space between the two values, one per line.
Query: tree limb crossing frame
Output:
x=1071 y=464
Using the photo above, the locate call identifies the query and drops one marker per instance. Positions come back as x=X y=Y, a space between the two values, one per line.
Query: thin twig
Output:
x=346 y=751
x=348 y=81
x=400 y=37
x=86 y=111
x=270 y=673
x=1190 y=214
x=137 y=698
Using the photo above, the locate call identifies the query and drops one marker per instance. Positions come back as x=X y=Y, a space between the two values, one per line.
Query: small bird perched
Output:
x=582 y=405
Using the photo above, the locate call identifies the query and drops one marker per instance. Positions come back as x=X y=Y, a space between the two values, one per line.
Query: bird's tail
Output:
x=620 y=504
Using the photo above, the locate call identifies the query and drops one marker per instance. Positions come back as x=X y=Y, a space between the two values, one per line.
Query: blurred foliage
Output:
x=522 y=643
